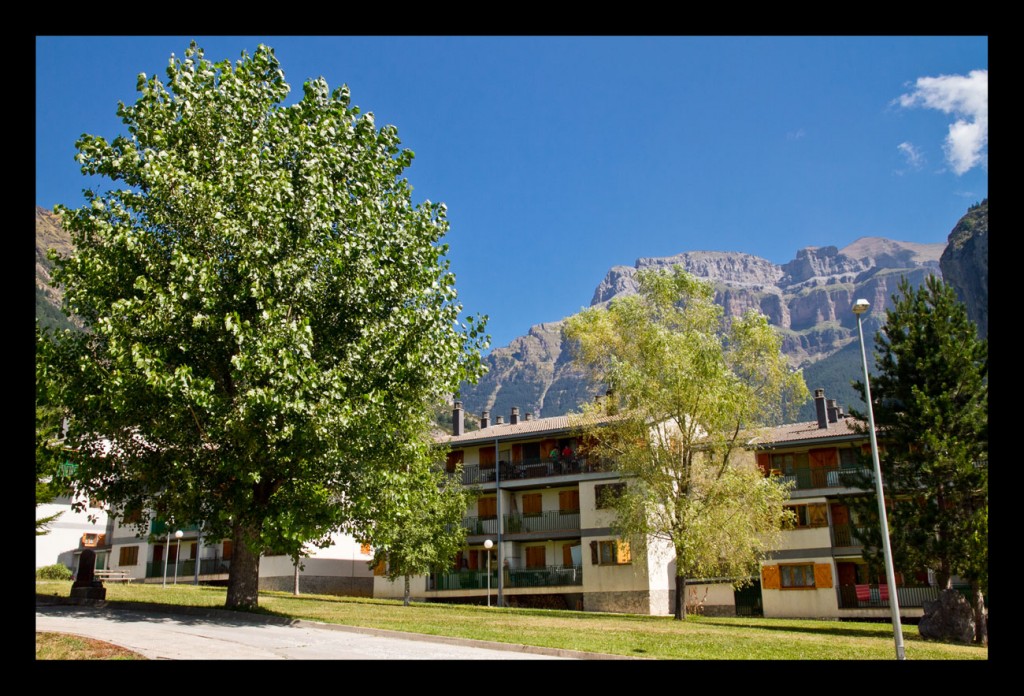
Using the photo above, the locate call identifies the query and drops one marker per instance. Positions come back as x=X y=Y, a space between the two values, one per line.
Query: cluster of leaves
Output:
x=687 y=389
x=268 y=309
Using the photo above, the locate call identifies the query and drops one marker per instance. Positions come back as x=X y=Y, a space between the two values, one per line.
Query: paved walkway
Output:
x=211 y=634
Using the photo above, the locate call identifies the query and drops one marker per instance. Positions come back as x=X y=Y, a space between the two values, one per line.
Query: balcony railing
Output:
x=847 y=535
x=911 y=596
x=549 y=521
x=187 y=568
x=548 y=576
x=529 y=469
x=804 y=479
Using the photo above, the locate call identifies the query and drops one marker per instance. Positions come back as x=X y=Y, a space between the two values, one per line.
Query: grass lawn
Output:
x=697 y=638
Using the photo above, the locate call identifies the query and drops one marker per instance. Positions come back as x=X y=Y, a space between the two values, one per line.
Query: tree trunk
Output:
x=244 y=575
x=680 y=603
x=980 y=617
x=406 y=602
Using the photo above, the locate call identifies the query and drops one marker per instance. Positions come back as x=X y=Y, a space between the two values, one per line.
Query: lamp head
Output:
x=488 y=544
x=179 y=534
x=861 y=306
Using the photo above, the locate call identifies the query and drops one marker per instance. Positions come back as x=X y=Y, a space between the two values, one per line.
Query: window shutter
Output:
x=569 y=501
x=531 y=503
x=822 y=575
x=487 y=507
x=593 y=553
x=770 y=577
x=817 y=514
x=535 y=557
x=567 y=554
x=486 y=457
x=455 y=458
x=764 y=462
x=622 y=552
x=380 y=568
x=227 y=550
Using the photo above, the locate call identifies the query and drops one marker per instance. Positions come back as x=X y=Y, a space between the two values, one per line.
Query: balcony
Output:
x=521 y=523
x=847 y=535
x=548 y=576
x=805 y=479
x=530 y=469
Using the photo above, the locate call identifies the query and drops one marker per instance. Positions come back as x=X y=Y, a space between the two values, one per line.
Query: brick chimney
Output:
x=485 y=419
x=514 y=418
x=458 y=420
x=820 y=408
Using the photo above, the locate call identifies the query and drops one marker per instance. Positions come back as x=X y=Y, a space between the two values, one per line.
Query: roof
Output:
x=846 y=428
x=522 y=429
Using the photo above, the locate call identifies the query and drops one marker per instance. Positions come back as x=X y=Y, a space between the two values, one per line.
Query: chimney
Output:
x=458 y=422
x=500 y=421
x=819 y=408
x=485 y=419
x=833 y=411
x=529 y=415
x=514 y=418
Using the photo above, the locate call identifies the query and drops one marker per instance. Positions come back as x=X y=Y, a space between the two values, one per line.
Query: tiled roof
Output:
x=522 y=429
x=808 y=431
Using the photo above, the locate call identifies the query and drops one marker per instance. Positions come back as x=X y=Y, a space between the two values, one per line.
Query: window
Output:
x=848 y=458
x=227 y=550
x=809 y=515
x=787 y=464
x=796 y=576
x=133 y=516
x=365 y=550
x=606 y=494
x=569 y=501
x=129 y=556
x=531 y=503
x=611 y=552
x=455 y=457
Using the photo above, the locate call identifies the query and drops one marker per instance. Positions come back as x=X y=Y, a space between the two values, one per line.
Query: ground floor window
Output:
x=128 y=556
x=797 y=576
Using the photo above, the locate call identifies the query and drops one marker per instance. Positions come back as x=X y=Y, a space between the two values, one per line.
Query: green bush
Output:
x=57 y=571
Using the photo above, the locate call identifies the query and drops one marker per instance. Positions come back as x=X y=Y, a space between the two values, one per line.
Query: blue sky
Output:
x=560 y=157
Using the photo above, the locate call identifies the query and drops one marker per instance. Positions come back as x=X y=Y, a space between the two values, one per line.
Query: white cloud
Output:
x=966 y=98
x=913 y=156
x=796 y=135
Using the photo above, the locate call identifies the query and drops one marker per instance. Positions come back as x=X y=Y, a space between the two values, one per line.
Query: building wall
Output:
x=63 y=542
x=803 y=603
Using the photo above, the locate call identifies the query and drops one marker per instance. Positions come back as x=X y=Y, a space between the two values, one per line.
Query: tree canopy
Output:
x=688 y=387
x=269 y=312
x=930 y=404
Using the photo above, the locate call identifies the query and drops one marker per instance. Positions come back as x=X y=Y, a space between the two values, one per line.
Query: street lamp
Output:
x=177 y=554
x=859 y=307
x=488 y=544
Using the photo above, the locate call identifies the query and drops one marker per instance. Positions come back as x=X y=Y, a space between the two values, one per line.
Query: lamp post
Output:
x=488 y=544
x=177 y=554
x=167 y=554
x=859 y=307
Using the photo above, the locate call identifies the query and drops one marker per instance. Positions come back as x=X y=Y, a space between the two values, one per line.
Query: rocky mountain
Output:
x=808 y=299
x=964 y=263
x=49 y=235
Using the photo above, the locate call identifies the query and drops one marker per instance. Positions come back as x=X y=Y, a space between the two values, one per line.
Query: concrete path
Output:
x=222 y=635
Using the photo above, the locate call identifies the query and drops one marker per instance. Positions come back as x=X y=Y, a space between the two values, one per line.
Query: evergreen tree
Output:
x=930 y=402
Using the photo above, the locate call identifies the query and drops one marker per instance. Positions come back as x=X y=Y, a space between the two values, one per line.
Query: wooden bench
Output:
x=113 y=575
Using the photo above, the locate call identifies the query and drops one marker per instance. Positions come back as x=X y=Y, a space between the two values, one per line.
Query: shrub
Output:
x=57 y=571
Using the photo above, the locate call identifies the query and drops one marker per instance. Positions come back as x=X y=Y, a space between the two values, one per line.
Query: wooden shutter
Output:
x=622 y=552
x=532 y=503
x=822 y=575
x=764 y=462
x=569 y=501
x=817 y=515
x=567 y=554
x=826 y=458
x=474 y=559
x=517 y=453
x=770 y=577
x=486 y=457
x=227 y=550
x=535 y=557
x=380 y=568
x=593 y=553
x=455 y=457
x=487 y=507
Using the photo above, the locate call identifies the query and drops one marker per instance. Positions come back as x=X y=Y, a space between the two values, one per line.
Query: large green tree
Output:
x=930 y=403
x=268 y=310
x=688 y=389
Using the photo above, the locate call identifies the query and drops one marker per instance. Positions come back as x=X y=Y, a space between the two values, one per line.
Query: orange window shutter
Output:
x=822 y=575
x=764 y=462
x=622 y=552
x=770 y=577
x=380 y=568
x=567 y=554
x=227 y=550
x=818 y=514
